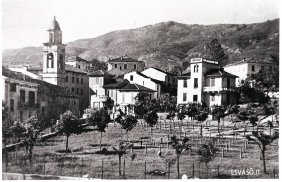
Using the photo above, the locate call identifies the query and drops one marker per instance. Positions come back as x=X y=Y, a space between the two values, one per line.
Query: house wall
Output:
x=126 y=97
x=96 y=84
x=181 y=90
x=146 y=82
x=140 y=65
x=158 y=75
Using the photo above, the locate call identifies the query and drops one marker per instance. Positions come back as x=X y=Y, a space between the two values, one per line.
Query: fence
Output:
x=148 y=164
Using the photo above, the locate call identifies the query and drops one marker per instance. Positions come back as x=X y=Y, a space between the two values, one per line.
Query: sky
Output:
x=24 y=22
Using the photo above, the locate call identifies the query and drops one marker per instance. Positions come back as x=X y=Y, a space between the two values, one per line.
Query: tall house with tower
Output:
x=56 y=72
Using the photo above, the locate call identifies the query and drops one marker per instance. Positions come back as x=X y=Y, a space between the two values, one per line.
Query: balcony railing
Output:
x=218 y=89
x=22 y=104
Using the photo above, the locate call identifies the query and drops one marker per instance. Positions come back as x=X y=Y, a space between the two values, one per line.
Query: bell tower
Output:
x=54 y=55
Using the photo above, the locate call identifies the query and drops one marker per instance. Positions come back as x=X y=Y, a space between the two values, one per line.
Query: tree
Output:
x=109 y=103
x=142 y=104
x=201 y=117
x=253 y=119
x=99 y=119
x=127 y=122
x=207 y=153
x=17 y=130
x=68 y=125
x=219 y=112
x=214 y=51
x=179 y=147
x=262 y=140
x=151 y=118
x=121 y=150
x=32 y=130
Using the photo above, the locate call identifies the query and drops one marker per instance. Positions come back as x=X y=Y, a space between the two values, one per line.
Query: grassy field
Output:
x=85 y=160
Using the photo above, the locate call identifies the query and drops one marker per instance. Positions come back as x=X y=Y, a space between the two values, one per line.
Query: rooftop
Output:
x=219 y=73
x=116 y=72
x=251 y=60
x=135 y=87
x=76 y=58
x=165 y=72
x=123 y=59
x=100 y=73
x=74 y=69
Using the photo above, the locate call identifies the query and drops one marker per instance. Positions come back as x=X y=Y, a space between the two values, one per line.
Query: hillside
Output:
x=167 y=44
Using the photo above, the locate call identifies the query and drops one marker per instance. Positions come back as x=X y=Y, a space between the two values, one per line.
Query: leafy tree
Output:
x=201 y=117
x=17 y=130
x=142 y=104
x=127 y=122
x=151 y=118
x=179 y=147
x=219 y=112
x=69 y=124
x=121 y=150
x=253 y=119
x=207 y=153
x=32 y=130
x=214 y=51
x=99 y=119
x=262 y=140
x=109 y=103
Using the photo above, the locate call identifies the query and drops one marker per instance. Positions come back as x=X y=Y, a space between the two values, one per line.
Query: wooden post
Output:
x=145 y=169
x=102 y=168
x=131 y=149
x=210 y=135
x=123 y=167
x=154 y=143
x=227 y=147
x=146 y=149
x=161 y=140
x=269 y=130
x=192 y=138
x=241 y=154
x=193 y=171
x=141 y=142
x=274 y=173
x=160 y=148
x=218 y=172
x=245 y=144
x=81 y=166
x=222 y=153
x=199 y=170
x=229 y=143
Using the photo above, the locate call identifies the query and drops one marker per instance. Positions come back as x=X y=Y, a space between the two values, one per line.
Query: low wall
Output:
x=19 y=176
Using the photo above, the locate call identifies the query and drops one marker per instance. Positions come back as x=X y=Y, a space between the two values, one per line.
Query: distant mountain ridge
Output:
x=166 y=44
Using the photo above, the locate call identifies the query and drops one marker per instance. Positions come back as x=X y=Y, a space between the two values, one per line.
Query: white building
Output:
x=97 y=80
x=78 y=62
x=206 y=83
x=160 y=75
x=126 y=64
x=145 y=81
x=24 y=70
x=247 y=67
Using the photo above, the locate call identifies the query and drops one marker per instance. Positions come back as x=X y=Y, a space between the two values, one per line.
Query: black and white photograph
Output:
x=140 y=89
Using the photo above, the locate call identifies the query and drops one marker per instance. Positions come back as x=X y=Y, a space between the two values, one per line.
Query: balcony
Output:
x=219 y=89
x=27 y=105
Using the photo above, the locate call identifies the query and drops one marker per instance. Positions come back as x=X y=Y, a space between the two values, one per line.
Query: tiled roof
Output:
x=116 y=72
x=76 y=58
x=16 y=75
x=165 y=72
x=141 y=74
x=251 y=60
x=117 y=85
x=123 y=59
x=219 y=73
x=157 y=81
x=135 y=87
x=74 y=69
x=185 y=75
x=100 y=73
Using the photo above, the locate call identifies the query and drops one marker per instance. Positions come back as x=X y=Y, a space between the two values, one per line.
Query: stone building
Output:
x=126 y=64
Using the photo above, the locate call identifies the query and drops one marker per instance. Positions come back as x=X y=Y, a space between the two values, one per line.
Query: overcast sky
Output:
x=24 y=22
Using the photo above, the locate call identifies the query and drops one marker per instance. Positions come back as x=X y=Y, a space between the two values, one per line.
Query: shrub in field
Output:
x=68 y=125
x=121 y=150
x=262 y=140
x=207 y=153
x=180 y=147
x=127 y=122
x=151 y=118
x=99 y=119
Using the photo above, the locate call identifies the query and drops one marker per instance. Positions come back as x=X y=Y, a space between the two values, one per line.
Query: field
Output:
x=48 y=158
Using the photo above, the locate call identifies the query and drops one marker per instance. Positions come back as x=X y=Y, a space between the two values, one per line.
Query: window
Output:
x=72 y=89
x=125 y=66
x=43 y=110
x=131 y=77
x=31 y=97
x=262 y=67
x=13 y=87
x=195 y=98
x=212 y=98
x=81 y=80
x=21 y=115
x=184 y=97
x=77 y=91
x=67 y=78
x=120 y=67
x=77 y=80
x=72 y=79
x=185 y=83
x=196 y=67
x=228 y=82
x=115 y=65
x=212 y=82
x=135 y=66
x=81 y=91
x=270 y=67
x=22 y=95
x=195 y=82
x=78 y=66
x=12 y=105
x=253 y=68
x=50 y=60
x=74 y=102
